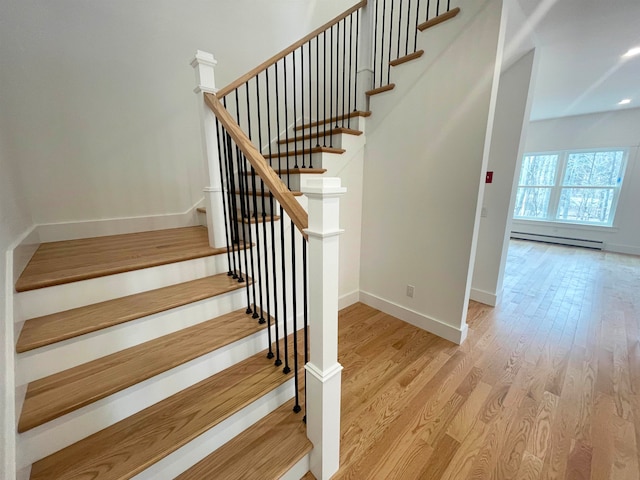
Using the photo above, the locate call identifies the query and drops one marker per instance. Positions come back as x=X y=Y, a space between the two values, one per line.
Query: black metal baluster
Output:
x=310 y=113
x=233 y=226
x=337 y=76
x=294 y=305
x=301 y=97
x=224 y=201
x=399 y=29
x=234 y=209
x=305 y=314
x=324 y=89
x=248 y=210
x=270 y=313
x=286 y=122
x=375 y=42
x=384 y=16
x=264 y=224
x=448 y=5
x=344 y=67
x=406 y=43
x=355 y=89
x=283 y=273
x=295 y=116
x=438 y=8
x=428 y=8
x=415 y=31
x=331 y=89
x=317 y=97
x=390 y=44
x=346 y=110
x=240 y=167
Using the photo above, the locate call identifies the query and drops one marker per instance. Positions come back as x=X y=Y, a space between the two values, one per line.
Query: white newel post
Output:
x=365 y=60
x=323 y=372
x=203 y=64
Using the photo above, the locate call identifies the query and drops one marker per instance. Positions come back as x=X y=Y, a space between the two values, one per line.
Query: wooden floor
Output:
x=546 y=386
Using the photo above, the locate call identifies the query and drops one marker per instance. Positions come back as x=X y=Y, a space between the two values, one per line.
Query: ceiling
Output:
x=579 y=46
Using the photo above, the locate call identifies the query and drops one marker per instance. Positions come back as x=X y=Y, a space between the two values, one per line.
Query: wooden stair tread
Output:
x=308 y=476
x=376 y=91
x=268 y=449
x=68 y=261
x=333 y=131
x=439 y=19
x=357 y=113
x=49 y=329
x=64 y=392
x=135 y=443
x=201 y=209
x=306 y=151
x=298 y=171
x=267 y=193
x=261 y=218
x=406 y=58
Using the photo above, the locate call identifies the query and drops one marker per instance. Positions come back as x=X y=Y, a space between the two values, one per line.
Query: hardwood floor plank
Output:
x=546 y=386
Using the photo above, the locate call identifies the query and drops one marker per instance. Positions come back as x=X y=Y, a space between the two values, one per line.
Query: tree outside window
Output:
x=573 y=187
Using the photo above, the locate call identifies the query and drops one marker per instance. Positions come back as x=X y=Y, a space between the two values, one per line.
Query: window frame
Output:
x=556 y=189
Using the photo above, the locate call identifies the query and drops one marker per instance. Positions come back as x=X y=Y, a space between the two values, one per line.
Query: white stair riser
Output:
x=61 y=432
x=299 y=470
x=36 y=303
x=190 y=454
x=60 y=356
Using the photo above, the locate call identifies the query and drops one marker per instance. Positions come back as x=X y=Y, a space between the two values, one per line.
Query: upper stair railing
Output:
x=261 y=133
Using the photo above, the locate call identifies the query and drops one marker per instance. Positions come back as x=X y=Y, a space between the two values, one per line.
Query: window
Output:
x=571 y=186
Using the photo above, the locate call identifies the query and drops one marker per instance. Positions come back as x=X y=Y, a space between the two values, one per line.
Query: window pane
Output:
x=532 y=202
x=598 y=169
x=589 y=205
x=538 y=170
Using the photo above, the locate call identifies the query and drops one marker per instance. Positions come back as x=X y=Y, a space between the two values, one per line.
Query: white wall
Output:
x=513 y=106
x=103 y=117
x=423 y=165
x=600 y=130
x=14 y=221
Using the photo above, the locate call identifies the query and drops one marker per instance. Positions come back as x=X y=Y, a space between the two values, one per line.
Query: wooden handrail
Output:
x=271 y=179
x=266 y=64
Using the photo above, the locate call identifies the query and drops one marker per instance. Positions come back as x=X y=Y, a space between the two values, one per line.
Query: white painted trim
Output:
x=53 y=232
x=299 y=470
x=616 y=248
x=8 y=408
x=190 y=454
x=448 y=332
x=482 y=296
x=348 y=299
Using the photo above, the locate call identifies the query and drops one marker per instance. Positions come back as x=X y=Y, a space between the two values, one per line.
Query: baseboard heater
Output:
x=574 y=242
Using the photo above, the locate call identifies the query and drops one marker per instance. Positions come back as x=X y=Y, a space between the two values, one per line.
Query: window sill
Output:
x=567 y=225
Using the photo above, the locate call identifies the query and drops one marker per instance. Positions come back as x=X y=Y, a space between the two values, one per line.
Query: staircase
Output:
x=151 y=355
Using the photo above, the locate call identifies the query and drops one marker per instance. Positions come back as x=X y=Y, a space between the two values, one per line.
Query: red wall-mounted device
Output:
x=489 y=177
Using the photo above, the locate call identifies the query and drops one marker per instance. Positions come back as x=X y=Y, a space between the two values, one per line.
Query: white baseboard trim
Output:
x=448 y=332
x=482 y=296
x=348 y=299
x=616 y=248
x=53 y=232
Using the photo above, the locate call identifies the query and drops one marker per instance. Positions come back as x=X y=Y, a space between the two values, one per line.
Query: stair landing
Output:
x=69 y=261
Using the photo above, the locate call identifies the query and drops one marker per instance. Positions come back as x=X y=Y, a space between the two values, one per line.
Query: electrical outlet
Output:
x=410 y=289
x=483 y=212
